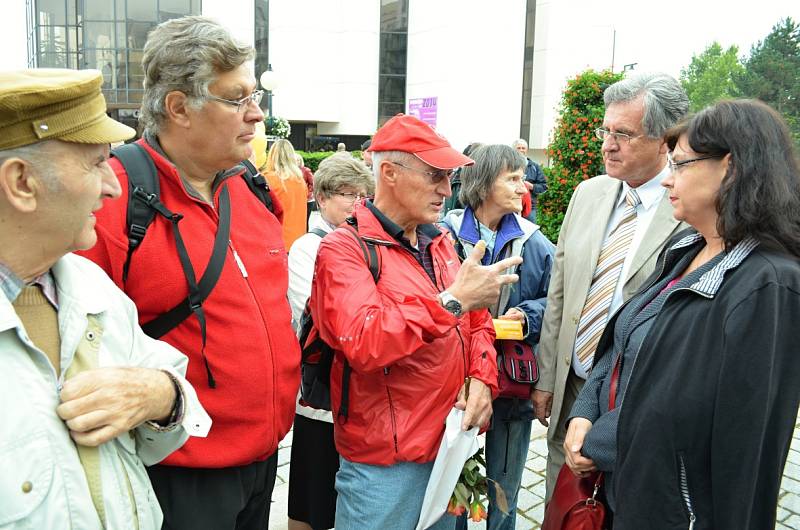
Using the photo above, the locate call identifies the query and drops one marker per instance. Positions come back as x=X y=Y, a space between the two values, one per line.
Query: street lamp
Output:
x=269 y=81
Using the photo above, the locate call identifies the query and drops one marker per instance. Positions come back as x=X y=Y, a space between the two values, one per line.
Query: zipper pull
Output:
x=239 y=261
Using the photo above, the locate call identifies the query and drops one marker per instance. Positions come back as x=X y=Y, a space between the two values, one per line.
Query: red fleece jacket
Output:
x=251 y=348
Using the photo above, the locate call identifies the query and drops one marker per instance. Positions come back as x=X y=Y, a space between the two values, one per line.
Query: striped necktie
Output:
x=604 y=282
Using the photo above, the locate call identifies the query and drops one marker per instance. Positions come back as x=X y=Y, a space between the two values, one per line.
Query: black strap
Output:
x=319 y=232
x=198 y=292
x=143 y=190
x=372 y=258
x=257 y=184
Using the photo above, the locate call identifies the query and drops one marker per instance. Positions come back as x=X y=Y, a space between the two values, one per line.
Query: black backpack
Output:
x=144 y=204
x=317 y=355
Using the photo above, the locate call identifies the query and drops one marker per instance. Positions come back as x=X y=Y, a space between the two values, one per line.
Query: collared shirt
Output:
x=651 y=193
x=425 y=234
x=12 y=285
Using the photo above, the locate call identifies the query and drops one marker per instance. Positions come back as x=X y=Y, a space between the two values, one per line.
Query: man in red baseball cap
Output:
x=418 y=342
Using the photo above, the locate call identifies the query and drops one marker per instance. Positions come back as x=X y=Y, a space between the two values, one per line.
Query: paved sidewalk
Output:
x=530 y=507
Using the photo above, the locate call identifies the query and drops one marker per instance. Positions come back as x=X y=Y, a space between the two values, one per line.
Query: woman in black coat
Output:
x=708 y=351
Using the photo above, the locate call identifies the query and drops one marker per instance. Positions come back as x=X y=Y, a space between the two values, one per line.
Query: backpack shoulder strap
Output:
x=143 y=191
x=319 y=232
x=257 y=184
x=371 y=255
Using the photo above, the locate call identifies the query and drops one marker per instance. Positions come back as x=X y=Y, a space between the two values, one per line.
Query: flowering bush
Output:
x=279 y=128
x=574 y=152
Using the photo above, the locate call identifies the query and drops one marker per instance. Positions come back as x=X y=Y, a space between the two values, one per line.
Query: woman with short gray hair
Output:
x=492 y=191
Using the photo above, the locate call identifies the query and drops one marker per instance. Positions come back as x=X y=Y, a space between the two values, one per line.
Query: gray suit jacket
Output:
x=578 y=248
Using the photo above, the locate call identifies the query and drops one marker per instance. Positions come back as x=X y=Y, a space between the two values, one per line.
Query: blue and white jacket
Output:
x=515 y=236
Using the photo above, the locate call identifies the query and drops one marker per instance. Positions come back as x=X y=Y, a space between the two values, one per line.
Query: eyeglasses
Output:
x=350 y=197
x=675 y=166
x=618 y=137
x=255 y=97
x=436 y=176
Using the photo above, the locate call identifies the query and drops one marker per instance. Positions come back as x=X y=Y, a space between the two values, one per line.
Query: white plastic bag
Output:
x=456 y=448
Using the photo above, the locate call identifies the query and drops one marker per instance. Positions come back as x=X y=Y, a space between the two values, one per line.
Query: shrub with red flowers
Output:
x=574 y=152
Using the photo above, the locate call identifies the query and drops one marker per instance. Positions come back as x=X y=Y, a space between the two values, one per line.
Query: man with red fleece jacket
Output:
x=411 y=339
x=199 y=111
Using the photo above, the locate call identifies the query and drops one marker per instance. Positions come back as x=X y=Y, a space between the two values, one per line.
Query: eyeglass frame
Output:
x=676 y=166
x=256 y=96
x=602 y=134
x=347 y=195
x=436 y=176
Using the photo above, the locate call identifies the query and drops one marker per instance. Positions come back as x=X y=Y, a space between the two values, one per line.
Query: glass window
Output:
x=52 y=39
x=52 y=60
x=137 y=33
x=51 y=12
x=122 y=70
x=173 y=9
x=99 y=35
x=394 y=15
x=142 y=10
x=392 y=88
x=98 y=10
x=393 y=53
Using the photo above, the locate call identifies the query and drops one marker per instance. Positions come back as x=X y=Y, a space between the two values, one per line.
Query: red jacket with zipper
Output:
x=408 y=354
x=251 y=348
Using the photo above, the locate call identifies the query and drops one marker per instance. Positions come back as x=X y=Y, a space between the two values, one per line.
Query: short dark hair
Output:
x=490 y=161
x=760 y=194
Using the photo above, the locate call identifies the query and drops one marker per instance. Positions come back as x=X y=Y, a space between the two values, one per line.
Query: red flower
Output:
x=454 y=508
x=476 y=512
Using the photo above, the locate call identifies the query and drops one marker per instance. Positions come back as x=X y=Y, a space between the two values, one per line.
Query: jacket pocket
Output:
x=683 y=485
x=27 y=476
x=391 y=409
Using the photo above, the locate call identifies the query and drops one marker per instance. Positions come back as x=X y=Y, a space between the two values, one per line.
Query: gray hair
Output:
x=519 y=142
x=337 y=172
x=665 y=101
x=185 y=54
x=478 y=179
x=401 y=157
x=41 y=157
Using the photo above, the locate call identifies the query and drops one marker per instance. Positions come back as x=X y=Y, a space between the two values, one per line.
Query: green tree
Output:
x=710 y=76
x=772 y=72
x=575 y=150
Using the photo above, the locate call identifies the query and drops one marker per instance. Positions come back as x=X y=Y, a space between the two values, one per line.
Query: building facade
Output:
x=478 y=71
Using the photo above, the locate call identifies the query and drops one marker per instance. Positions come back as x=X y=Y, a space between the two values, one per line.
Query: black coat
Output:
x=710 y=408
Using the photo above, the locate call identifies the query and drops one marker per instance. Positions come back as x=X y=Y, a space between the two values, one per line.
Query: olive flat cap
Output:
x=48 y=104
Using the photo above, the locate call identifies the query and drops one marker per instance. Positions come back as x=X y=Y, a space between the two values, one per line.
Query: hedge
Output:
x=574 y=152
x=312 y=159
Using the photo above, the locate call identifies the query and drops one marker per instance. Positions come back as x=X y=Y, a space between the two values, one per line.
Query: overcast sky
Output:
x=663 y=36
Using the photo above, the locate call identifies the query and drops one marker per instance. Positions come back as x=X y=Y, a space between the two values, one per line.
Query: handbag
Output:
x=517 y=369
x=575 y=504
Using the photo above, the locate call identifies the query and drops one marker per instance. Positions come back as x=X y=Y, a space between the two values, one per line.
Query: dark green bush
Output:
x=312 y=159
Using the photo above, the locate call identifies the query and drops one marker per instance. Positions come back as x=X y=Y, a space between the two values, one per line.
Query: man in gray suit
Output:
x=639 y=109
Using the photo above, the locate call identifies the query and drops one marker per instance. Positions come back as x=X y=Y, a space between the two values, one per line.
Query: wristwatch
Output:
x=451 y=303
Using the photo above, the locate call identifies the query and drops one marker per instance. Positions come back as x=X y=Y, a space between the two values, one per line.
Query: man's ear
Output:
x=663 y=148
x=388 y=173
x=19 y=185
x=177 y=109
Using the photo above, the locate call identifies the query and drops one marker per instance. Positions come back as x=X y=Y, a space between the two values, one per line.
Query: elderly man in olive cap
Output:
x=87 y=397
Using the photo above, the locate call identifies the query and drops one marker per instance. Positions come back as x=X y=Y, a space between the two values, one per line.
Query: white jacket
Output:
x=42 y=483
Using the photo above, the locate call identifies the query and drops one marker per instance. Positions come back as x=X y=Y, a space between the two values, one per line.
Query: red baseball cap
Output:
x=412 y=135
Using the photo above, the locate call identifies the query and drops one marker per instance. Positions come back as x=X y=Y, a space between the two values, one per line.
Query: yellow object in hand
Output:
x=507 y=329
